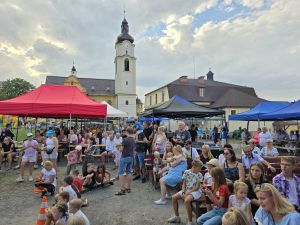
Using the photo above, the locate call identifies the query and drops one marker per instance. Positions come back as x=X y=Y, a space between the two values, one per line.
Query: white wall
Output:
x=130 y=109
x=159 y=97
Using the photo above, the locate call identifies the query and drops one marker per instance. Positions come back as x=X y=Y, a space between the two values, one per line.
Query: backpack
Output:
x=2 y=136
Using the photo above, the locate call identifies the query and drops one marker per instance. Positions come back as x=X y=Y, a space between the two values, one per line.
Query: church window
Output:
x=201 y=92
x=163 y=96
x=150 y=100
x=126 y=65
x=155 y=98
x=126 y=82
x=126 y=102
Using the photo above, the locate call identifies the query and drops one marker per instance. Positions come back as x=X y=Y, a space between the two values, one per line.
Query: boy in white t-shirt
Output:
x=75 y=209
x=67 y=186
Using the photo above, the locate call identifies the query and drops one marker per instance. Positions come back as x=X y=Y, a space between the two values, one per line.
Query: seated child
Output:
x=47 y=179
x=73 y=159
x=77 y=182
x=178 y=158
x=101 y=174
x=58 y=215
x=90 y=179
x=75 y=209
x=62 y=198
x=191 y=190
x=67 y=186
x=239 y=199
x=88 y=158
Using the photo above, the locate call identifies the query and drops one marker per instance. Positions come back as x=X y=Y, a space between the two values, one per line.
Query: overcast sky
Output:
x=247 y=42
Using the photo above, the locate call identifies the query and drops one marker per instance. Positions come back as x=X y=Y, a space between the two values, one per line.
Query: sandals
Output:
x=121 y=192
x=128 y=190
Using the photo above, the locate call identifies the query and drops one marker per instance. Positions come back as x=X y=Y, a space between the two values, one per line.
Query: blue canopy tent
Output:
x=291 y=112
x=256 y=113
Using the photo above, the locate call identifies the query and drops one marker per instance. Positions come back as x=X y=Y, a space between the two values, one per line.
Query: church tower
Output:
x=125 y=71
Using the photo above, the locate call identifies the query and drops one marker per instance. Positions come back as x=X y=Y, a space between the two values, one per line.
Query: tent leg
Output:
x=36 y=119
x=17 y=128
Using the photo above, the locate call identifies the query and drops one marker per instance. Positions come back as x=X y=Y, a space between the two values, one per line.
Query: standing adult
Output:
x=274 y=209
x=287 y=183
x=51 y=148
x=181 y=135
x=215 y=134
x=263 y=136
x=147 y=130
x=30 y=147
x=141 y=147
x=193 y=132
x=126 y=162
x=256 y=136
x=233 y=169
x=254 y=180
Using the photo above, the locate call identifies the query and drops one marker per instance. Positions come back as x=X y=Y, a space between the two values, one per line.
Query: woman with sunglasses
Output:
x=233 y=169
x=274 y=209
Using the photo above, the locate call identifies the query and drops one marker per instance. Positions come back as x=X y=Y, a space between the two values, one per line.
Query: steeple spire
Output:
x=73 y=70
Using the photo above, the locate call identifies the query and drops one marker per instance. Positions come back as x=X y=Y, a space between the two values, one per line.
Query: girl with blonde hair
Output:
x=160 y=140
x=274 y=209
x=205 y=154
x=235 y=216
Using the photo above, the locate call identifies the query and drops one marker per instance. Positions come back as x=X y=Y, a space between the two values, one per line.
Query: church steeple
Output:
x=125 y=32
x=73 y=70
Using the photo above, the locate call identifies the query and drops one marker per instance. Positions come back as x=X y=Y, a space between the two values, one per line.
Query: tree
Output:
x=15 y=87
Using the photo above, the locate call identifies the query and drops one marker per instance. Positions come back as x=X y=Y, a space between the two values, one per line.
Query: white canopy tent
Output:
x=113 y=112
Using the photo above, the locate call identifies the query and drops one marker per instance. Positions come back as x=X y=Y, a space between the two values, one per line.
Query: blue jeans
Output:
x=213 y=217
x=125 y=166
x=140 y=160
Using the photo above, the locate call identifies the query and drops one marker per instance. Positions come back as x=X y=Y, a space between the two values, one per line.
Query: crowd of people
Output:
x=233 y=191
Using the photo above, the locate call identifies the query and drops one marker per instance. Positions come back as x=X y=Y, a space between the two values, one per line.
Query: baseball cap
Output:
x=213 y=162
x=29 y=134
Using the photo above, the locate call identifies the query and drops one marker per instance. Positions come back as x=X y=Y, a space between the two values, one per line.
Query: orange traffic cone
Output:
x=42 y=214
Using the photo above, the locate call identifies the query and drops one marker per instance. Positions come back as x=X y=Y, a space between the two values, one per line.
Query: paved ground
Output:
x=19 y=205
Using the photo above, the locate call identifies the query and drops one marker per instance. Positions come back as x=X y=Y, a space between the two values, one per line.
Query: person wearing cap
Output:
x=30 y=148
x=190 y=153
x=269 y=149
x=51 y=148
x=255 y=149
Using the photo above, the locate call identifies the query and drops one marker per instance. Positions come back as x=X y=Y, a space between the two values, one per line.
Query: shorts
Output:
x=196 y=194
x=140 y=160
x=29 y=158
x=125 y=166
x=53 y=155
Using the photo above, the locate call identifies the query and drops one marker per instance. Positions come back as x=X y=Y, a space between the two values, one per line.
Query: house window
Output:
x=201 y=92
x=126 y=82
x=155 y=98
x=126 y=65
x=232 y=112
x=163 y=96
x=126 y=102
x=150 y=100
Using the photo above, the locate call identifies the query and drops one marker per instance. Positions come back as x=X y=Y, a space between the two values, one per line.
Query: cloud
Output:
x=256 y=44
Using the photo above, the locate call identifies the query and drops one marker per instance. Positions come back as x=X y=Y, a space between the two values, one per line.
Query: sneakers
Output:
x=174 y=219
x=30 y=178
x=136 y=177
x=160 y=202
x=168 y=196
x=16 y=167
x=20 y=179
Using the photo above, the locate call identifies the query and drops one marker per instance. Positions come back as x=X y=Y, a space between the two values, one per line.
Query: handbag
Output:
x=49 y=150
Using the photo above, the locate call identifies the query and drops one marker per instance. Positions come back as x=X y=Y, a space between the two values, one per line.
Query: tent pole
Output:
x=17 y=128
x=36 y=119
x=81 y=125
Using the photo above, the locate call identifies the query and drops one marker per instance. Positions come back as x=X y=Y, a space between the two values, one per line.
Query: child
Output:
x=75 y=209
x=73 y=159
x=157 y=163
x=191 y=190
x=67 y=186
x=58 y=215
x=218 y=196
x=47 y=179
x=88 y=158
x=90 y=179
x=235 y=217
x=77 y=182
x=240 y=200
x=118 y=154
x=207 y=176
x=101 y=174
x=62 y=198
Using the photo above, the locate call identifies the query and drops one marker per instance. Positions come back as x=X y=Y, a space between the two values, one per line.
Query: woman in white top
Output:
x=269 y=150
x=51 y=148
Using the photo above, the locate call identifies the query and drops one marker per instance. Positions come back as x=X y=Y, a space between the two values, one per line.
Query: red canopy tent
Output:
x=54 y=101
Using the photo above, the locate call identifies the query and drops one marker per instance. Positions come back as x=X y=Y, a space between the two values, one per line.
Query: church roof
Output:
x=125 y=33
x=92 y=85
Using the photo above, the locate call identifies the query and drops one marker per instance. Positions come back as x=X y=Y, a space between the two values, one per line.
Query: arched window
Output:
x=126 y=102
x=126 y=65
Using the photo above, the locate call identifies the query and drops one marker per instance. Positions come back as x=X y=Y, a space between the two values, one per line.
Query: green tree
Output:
x=14 y=87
